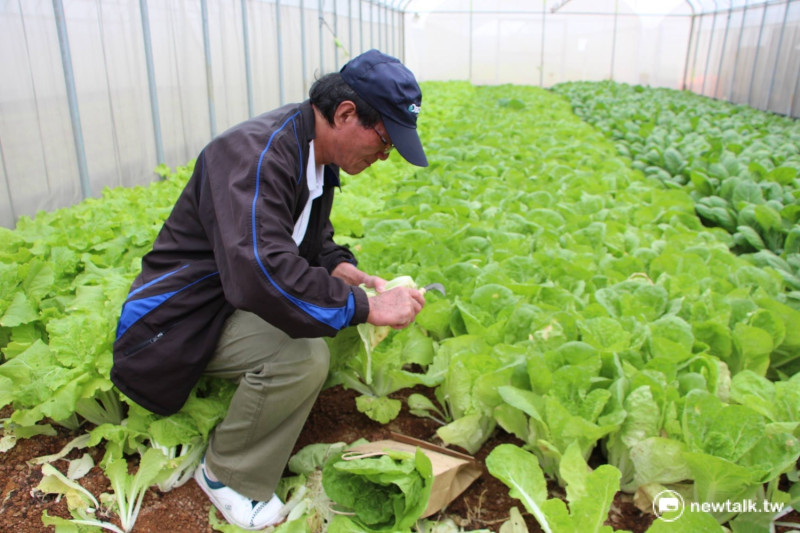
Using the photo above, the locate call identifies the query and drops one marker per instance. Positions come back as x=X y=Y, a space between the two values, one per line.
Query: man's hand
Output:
x=351 y=275
x=396 y=307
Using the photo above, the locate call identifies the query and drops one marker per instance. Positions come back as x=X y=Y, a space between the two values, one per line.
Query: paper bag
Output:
x=453 y=472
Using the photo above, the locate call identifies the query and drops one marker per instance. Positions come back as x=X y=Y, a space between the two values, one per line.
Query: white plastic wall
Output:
x=544 y=43
x=743 y=51
x=260 y=54
x=35 y=134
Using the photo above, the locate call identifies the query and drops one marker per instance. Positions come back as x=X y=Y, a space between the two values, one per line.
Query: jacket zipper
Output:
x=152 y=340
x=144 y=344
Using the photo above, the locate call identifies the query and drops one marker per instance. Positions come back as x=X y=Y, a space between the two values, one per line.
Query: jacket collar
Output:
x=308 y=122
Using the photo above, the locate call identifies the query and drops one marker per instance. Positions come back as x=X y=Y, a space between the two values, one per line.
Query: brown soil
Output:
x=484 y=505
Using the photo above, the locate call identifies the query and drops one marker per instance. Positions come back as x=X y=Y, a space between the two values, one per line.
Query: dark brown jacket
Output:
x=228 y=245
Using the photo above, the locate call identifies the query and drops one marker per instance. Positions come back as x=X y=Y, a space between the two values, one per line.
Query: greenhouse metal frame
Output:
x=97 y=93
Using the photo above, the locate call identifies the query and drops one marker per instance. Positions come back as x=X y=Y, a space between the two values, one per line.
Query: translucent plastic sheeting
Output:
x=99 y=95
x=67 y=132
x=34 y=118
x=743 y=51
x=501 y=41
x=748 y=55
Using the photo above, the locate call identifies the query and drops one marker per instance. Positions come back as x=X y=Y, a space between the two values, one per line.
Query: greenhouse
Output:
x=469 y=265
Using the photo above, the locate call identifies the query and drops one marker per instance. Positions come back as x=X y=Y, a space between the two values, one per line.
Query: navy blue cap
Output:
x=388 y=86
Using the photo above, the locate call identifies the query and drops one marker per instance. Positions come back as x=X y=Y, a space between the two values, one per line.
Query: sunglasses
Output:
x=386 y=143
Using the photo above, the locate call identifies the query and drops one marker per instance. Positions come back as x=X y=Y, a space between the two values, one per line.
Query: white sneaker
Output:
x=239 y=510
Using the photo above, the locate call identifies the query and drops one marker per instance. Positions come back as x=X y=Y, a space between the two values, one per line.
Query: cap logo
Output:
x=414 y=108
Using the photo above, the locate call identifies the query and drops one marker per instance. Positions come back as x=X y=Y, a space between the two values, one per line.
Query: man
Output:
x=244 y=277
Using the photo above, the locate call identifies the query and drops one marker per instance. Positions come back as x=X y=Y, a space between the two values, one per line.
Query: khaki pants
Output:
x=279 y=379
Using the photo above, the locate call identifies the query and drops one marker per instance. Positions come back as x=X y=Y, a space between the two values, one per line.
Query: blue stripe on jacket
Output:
x=335 y=317
x=133 y=310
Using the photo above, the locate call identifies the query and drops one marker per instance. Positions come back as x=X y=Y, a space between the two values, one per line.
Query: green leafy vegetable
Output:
x=589 y=494
x=387 y=492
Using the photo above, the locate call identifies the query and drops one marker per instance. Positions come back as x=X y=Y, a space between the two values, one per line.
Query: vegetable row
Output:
x=587 y=306
x=741 y=165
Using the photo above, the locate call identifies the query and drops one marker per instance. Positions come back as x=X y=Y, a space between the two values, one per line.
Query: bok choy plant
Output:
x=376 y=369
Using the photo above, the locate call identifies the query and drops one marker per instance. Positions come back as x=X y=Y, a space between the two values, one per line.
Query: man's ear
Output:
x=345 y=112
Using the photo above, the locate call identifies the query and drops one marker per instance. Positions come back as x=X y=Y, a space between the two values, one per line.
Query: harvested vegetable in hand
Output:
x=371 y=335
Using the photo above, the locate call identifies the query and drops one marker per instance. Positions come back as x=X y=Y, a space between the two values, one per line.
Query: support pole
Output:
x=541 y=57
x=247 y=65
x=470 y=42
x=350 y=27
x=371 y=25
x=696 y=38
x=151 y=82
x=303 y=53
x=722 y=52
x=212 y=112
x=335 y=35
x=72 y=98
x=321 y=39
x=614 y=40
x=777 y=54
x=758 y=50
x=790 y=108
x=281 y=81
x=736 y=57
x=696 y=45
x=710 y=45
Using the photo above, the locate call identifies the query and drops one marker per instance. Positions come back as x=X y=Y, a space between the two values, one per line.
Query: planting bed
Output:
x=484 y=505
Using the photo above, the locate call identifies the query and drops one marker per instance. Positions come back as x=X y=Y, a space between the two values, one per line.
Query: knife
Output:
x=433 y=287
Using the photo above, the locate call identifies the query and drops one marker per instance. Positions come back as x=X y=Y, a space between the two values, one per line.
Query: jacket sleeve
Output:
x=248 y=202
x=331 y=254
